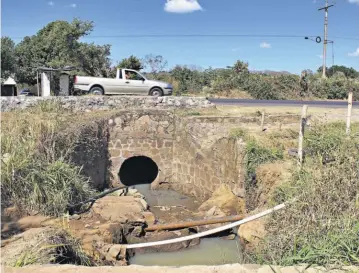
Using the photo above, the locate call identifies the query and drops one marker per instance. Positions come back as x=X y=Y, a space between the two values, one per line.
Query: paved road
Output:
x=283 y=103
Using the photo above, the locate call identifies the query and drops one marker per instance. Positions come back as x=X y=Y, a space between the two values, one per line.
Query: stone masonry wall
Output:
x=204 y=157
x=92 y=103
x=194 y=154
x=142 y=133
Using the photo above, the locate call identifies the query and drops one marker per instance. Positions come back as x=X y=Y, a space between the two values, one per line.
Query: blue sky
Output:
x=186 y=17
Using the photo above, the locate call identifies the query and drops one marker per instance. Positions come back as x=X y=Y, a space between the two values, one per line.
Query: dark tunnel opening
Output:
x=138 y=170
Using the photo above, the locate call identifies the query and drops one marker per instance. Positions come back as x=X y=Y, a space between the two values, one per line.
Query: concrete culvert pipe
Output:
x=138 y=170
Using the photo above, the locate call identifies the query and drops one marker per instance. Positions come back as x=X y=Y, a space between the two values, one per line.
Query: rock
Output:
x=252 y=232
x=131 y=192
x=139 y=195
x=87 y=226
x=75 y=217
x=143 y=203
x=226 y=201
x=214 y=211
x=229 y=237
x=165 y=235
x=124 y=209
x=137 y=232
x=113 y=253
x=92 y=103
x=111 y=122
x=149 y=217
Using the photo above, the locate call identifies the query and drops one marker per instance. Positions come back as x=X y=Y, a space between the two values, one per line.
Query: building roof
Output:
x=9 y=81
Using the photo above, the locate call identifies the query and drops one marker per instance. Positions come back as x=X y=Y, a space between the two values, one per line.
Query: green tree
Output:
x=349 y=72
x=240 y=67
x=7 y=57
x=94 y=60
x=57 y=45
x=131 y=62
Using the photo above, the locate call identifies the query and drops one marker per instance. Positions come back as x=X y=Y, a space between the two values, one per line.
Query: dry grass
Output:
x=45 y=246
x=322 y=226
x=36 y=148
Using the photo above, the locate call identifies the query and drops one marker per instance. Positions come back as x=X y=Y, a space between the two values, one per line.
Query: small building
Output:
x=8 y=87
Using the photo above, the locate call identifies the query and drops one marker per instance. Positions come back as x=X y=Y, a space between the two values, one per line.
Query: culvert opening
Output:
x=138 y=170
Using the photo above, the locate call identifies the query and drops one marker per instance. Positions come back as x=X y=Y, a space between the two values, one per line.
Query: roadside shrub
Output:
x=322 y=226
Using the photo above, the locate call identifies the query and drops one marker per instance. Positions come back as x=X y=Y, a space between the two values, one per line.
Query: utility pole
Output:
x=325 y=42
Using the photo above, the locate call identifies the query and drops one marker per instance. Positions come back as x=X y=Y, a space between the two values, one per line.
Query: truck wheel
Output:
x=97 y=90
x=156 y=92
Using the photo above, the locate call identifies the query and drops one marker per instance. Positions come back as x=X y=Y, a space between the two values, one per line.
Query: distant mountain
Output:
x=271 y=72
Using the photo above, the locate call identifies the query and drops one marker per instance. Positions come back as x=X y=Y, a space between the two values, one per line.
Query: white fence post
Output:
x=349 y=114
x=303 y=121
x=262 y=120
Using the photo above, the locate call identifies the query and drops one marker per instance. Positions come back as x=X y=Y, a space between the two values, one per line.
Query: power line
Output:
x=189 y=35
x=203 y=36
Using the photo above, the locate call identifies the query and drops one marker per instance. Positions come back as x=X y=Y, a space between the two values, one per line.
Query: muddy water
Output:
x=211 y=251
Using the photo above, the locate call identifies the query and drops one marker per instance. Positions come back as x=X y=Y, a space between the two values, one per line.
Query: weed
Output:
x=237 y=133
x=54 y=246
x=256 y=155
x=38 y=148
x=321 y=227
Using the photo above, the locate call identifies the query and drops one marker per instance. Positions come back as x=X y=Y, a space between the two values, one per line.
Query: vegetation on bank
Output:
x=48 y=246
x=37 y=148
x=322 y=226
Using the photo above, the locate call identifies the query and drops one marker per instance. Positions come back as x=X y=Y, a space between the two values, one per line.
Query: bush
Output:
x=256 y=155
x=322 y=226
x=37 y=171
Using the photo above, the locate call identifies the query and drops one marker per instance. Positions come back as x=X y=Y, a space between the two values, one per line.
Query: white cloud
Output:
x=320 y=56
x=235 y=49
x=50 y=3
x=354 y=1
x=182 y=6
x=265 y=45
x=72 y=6
x=355 y=53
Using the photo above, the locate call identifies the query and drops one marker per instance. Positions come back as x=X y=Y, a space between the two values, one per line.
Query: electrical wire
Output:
x=205 y=36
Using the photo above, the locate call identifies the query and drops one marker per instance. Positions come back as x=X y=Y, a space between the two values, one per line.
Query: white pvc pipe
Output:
x=208 y=232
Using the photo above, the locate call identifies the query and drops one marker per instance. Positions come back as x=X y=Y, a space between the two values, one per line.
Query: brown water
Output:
x=211 y=251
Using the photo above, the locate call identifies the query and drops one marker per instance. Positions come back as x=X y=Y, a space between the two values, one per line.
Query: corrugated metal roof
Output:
x=9 y=81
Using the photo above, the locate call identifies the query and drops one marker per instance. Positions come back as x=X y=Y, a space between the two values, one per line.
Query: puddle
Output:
x=166 y=197
x=211 y=251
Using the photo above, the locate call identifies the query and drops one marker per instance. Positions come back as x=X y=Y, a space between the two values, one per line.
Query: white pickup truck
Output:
x=127 y=81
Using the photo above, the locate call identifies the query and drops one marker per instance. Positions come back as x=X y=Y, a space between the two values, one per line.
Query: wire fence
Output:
x=303 y=121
